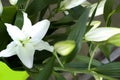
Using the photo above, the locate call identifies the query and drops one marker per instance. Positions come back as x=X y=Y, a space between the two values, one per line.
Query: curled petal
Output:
x=9 y=51
x=26 y=54
x=95 y=24
x=39 y=29
x=42 y=45
x=101 y=34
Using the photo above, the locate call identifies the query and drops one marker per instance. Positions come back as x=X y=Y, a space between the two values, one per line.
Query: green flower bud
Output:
x=64 y=47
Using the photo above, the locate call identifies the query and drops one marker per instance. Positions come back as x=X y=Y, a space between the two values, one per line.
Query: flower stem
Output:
x=92 y=56
x=59 y=61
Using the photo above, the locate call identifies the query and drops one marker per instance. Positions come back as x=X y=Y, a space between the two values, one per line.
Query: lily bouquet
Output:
x=42 y=39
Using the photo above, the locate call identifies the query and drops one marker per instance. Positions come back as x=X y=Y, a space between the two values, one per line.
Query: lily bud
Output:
x=13 y=2
x=64 y=47
x=1 y=7
x=68 y=4
x=101 y=34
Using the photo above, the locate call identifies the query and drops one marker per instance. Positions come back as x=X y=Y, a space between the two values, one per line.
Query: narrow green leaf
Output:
x=58 y=76
x=110 y=69
x=47 y=70
x=4 y=40
x=86 y=60
x=19 y=19
x=107 y=11
x=106 y=49
x=37 y=6
x=77 y=34
x=76 y=12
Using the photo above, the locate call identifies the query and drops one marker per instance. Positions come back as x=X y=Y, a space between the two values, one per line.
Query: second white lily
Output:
x=101 y=34
x=68 y=4
x=27 y=40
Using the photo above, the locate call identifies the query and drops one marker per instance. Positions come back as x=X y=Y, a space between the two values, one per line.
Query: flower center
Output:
x=23 y=42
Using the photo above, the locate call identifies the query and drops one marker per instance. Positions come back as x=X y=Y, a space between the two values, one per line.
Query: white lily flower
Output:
x=101 y=34
x=27 y=40
x=1 y=7
x=99 y=10
x=13 y=2
x=68 y=4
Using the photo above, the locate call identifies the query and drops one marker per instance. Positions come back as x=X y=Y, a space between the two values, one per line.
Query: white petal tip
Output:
x=29 y=65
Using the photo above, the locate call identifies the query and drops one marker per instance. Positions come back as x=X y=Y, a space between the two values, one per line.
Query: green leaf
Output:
x=58 y=76
x=110 y=69
x=108 y=11
x=37 y=6
x=76 y=12
x=77 y=34
x=115 y=40
x=47 y=70
x=19 y=19
x=86 y=60
x=9 y=14
x=4 y=40
x=8 y=74
x=106 y=49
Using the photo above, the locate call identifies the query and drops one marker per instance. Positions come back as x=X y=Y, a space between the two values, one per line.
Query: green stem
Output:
x=108 y=18
x=92 y=56
x=59 y=61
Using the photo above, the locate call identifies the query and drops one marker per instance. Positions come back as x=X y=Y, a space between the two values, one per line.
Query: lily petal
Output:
x=26 y=54
x=1 y=8
x=42 y=45
x=13 y=2
x=101 y=34
x=27 y=25
x=68 y=4
x=39 y=29
x=15 y=33
x=95 y=24
x=9 y=51
x=99 y=10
